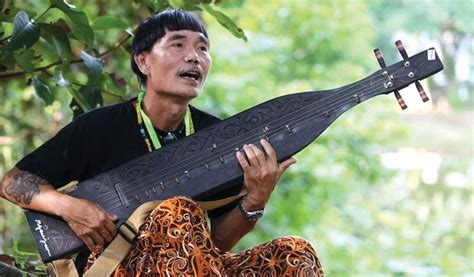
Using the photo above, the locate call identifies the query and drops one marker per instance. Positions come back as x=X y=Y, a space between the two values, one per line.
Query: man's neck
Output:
x=165 y=113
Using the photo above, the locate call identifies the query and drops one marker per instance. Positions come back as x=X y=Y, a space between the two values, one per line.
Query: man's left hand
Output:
x=261 y=173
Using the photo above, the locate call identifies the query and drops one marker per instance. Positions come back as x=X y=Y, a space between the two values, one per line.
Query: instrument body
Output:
x=205 y=162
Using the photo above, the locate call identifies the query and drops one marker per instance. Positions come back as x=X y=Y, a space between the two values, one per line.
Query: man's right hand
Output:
x=89 y=221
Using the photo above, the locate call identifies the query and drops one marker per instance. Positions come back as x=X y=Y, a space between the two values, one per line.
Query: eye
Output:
x=177 y=45
x=203 y=48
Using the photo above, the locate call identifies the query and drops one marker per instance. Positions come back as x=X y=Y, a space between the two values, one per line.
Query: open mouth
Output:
x=192 y=74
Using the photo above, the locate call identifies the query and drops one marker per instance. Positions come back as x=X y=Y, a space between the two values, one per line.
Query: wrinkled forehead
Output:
x=184 y=35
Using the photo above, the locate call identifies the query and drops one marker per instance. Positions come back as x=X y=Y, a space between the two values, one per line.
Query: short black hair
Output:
x=154 y=28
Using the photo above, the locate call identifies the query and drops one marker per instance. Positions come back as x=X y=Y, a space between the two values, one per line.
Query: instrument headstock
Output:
x=411 y=70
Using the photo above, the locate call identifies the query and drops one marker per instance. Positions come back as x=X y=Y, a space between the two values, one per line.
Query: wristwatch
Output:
x=250 y=215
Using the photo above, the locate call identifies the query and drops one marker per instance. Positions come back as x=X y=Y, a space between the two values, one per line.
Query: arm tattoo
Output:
x=23 y=186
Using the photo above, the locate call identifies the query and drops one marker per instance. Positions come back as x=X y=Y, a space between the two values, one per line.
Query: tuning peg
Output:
x=400 y=100
x=401 y=49
x=379 y=56
x=404 y=54
x=421 y=91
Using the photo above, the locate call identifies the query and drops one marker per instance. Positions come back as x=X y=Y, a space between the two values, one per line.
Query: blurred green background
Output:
x=381 y=192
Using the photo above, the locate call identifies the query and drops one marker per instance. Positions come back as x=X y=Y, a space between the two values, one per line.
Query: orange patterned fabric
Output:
x=175 y=241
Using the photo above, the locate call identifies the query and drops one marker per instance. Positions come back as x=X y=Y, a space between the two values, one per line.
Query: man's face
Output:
x=178 y=64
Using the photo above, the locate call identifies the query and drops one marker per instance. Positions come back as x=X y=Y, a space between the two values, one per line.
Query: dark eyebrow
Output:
x=203 y=39
x=176 y=37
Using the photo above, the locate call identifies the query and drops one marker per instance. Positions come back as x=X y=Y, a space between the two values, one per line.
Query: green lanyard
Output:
x=149 y=126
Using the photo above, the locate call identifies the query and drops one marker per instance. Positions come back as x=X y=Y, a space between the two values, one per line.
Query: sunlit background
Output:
x=382 y=191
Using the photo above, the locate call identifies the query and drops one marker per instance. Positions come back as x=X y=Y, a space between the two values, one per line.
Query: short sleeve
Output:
x=61 y=159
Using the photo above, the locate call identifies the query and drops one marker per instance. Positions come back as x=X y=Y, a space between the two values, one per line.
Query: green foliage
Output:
x=108 y=22
x=43 y=90
x=25 y=33
x=446 y=24
x=363 y=218
x=64 y=36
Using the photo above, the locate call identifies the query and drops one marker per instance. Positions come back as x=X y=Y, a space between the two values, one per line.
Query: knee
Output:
x=300 y=255
x=177 y=208
x=179 y=202
x=296 y=246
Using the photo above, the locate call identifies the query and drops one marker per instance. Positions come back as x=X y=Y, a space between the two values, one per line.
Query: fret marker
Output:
x=221 y=159
x=356 y=97
x=146 y=193
x=176 y=179
x=187 y=174
x=162 y=185
x=121 y=194
x=206 y=166
x=288 y=129
x=136 y=197
x=326 y=113
x=153 y=189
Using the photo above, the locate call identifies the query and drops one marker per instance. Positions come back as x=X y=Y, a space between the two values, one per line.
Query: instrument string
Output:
x=306 y=113
x=165 y=178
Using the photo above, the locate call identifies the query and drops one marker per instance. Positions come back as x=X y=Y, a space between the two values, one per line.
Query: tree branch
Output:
x=45 y=71
x=16 y=74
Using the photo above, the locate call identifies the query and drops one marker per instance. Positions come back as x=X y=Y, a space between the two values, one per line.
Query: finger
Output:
x=251 y=156
x=243 y=161
x=107 y=235
x=271 y=155
x=110 y=231
x=285 y=164
x=262 y=159
x=89 y=243
x=112 y=217
x=98 y=239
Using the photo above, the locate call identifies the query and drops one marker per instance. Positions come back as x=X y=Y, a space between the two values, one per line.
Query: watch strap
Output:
x=250 y=215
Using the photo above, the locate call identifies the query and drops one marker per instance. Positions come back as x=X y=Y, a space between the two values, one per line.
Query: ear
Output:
x=142 y=63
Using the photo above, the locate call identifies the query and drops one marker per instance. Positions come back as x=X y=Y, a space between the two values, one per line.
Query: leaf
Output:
x=87 y=98
x=7 y=60
x=187 y=5
x=161 y=5
x=108 y=84
x=108 y=22
x=80 y=27
x=57 y=36
x=94 y=65
x=225 y=21
x=23 y=58
x=177 y=3
x=25 y=33
x=8 y=12
x=59 y=78
x=43 y=90
x=75 y=108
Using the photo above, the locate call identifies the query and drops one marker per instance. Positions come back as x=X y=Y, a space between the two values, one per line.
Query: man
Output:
x=171 y=58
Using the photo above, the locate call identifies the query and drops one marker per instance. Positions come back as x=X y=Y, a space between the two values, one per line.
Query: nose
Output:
x=191 y=56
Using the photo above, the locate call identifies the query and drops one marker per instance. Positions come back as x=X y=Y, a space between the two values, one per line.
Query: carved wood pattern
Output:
x=191 y=153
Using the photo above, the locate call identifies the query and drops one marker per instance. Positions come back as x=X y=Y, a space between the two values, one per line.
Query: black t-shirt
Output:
x=98 y=141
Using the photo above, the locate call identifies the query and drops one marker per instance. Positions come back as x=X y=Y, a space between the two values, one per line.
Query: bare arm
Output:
x=261 y=174
x=88 y=220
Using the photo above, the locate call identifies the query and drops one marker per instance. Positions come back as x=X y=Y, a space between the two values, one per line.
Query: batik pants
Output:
x=175 y=241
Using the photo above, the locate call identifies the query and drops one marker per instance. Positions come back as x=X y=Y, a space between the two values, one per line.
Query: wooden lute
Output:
x=205 y=162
